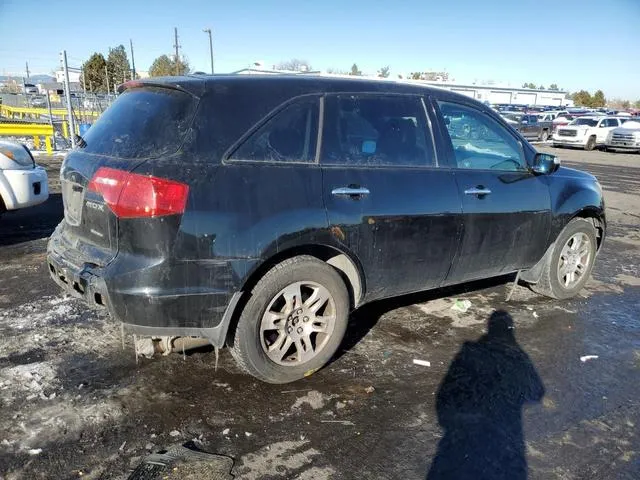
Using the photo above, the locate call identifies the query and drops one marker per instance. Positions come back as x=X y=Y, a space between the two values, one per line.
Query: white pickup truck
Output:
x=585 y=132
x=626 y=137
x=22 y=182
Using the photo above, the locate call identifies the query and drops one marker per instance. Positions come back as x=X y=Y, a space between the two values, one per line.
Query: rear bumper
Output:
x=130 y=293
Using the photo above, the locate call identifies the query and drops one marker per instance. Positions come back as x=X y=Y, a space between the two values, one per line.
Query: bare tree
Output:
x=294 y=65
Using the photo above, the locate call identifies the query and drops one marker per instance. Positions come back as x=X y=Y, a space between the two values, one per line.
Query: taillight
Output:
x=131 y=195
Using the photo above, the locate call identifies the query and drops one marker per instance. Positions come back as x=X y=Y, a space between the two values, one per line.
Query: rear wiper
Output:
x=80 y=141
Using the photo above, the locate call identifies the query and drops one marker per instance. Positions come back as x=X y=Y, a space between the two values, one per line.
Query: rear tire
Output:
x=591 y=143
x=569 y=264
x=294 y=321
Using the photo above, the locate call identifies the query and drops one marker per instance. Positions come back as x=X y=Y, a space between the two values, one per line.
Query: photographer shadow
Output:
x=479 y=407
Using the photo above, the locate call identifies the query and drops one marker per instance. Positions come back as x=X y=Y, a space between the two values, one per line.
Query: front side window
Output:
x=479 y=142
x=289 y=136
x=589 y=122
x=376 y=130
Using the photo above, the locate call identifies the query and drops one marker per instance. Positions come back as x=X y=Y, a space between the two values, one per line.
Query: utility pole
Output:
x=133 y=62
x=177 y=46
x=26 y=64
x=208 y=30
x=67 y=94
x=106 y=72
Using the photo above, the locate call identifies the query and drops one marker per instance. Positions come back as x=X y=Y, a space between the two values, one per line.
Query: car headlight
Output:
x=17 y=153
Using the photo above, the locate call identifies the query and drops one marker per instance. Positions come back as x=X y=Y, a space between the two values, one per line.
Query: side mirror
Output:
x=545 y=163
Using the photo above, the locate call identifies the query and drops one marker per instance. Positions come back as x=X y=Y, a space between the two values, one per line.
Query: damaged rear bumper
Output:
x=180 y=311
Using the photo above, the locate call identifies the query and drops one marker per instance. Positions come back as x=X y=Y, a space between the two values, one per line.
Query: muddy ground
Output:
x=513 y=403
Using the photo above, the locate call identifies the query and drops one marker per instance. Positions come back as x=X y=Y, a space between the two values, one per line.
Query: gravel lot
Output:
x=74 y=404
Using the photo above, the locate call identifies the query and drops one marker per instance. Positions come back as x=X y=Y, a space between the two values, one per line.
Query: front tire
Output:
x=569 y=264
x=294 y=321
x=544 y=136
x=591 y=143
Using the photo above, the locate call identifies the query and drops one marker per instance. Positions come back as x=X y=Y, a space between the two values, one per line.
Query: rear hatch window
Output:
x=143 y=123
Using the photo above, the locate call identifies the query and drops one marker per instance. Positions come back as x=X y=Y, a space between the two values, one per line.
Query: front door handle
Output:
x=350 y=191
x=479 y=190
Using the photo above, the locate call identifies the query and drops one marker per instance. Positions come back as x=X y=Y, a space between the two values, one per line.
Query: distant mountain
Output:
x=32 y=78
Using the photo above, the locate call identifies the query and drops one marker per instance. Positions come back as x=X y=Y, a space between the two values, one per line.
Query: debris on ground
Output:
x=185 y=463
x=535 y=315
x=461 y=306
x=342 y=422
x=370 y=389
x=422 y=363
x=226 y=431
x=174 y=433
x=35 y=451
x=586 y=358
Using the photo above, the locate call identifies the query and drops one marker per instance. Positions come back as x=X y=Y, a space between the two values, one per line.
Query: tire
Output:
x=544 y=136
x=591 y=143
x=550 y=284
x=252 y=340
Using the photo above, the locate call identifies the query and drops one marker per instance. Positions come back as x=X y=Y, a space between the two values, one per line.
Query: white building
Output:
x=73 y=76
x=485 y=93
x=508 y=95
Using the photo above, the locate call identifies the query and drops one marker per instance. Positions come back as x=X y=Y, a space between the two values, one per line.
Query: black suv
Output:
x=258 y=211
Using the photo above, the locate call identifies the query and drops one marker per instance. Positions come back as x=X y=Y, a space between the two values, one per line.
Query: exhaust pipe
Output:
x=148 y=346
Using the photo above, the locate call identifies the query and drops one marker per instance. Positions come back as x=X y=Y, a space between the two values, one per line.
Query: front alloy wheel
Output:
x=574 y=259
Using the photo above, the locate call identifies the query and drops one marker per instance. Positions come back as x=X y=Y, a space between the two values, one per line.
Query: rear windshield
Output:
x=142 y=123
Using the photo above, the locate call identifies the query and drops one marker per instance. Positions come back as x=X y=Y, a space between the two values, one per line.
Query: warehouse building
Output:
x=508 y=95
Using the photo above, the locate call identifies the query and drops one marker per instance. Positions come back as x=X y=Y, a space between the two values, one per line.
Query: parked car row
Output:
x=589 y=132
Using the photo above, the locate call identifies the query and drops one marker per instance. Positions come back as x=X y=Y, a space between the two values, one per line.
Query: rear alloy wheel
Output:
x=591 y=143
x=569 y=264
x=544 y=136
x=293 y=322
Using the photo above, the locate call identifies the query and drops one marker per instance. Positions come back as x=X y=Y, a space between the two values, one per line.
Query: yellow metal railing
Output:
x=30 y=112
x=35 y=130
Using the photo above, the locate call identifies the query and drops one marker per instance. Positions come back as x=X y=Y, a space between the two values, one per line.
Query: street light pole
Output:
x=208 y=30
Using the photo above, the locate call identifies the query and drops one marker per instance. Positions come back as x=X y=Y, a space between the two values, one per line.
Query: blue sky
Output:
x=577 y=44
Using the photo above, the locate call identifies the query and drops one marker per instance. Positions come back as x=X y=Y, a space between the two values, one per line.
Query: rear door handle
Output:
x=477 y=191
x=350 y=191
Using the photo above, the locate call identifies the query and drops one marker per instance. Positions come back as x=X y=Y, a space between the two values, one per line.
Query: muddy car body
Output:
x=259 y=211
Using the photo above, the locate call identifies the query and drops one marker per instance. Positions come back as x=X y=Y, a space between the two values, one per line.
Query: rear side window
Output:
x=142 y=123
x=289 y=136
x=376 y=130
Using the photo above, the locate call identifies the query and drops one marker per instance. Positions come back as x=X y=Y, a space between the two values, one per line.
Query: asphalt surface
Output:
x=506 y=395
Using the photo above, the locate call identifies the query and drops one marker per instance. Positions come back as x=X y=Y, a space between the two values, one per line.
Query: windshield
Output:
x=591 y=122
x=142 y=123
x=513 y=117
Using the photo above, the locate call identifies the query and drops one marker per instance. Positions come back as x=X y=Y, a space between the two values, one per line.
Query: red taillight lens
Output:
x=130 y=195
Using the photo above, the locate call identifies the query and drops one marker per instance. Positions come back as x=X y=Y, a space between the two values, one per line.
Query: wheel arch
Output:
x=348 y=267
x=592 y=214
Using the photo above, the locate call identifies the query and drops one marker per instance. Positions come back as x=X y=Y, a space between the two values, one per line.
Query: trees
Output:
x=626 y=104
x=95 y=77
x=637 y=104
x=529 y=85
x=354 y=70
x=553 y=86
x=295 y=65
x=118 y=66
x=598 y=99
x=582 y=98
x=383 y=72
x=163 y=66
